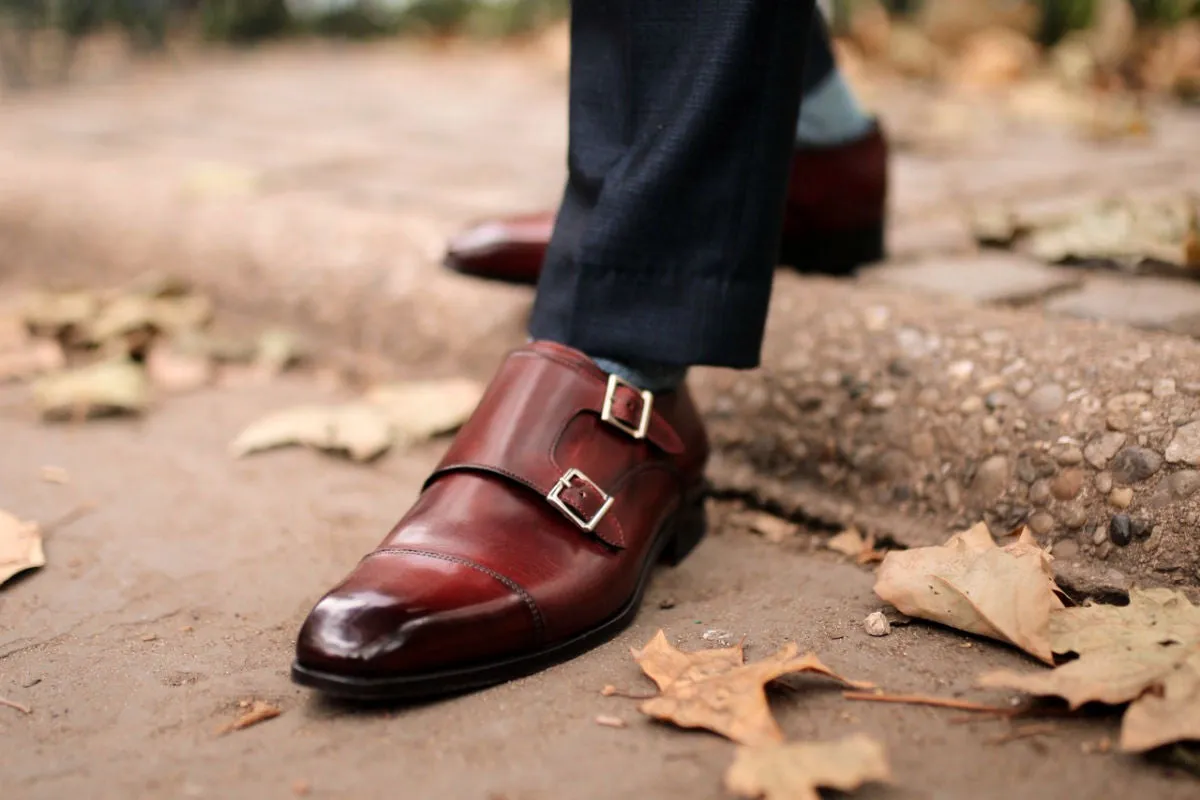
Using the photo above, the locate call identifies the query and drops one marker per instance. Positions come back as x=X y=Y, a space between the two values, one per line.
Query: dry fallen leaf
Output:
x=360 y=430
x=1146 y=653
x=714 y=689
x=277 y=350
x=772 y=528
x=52 y=313
x=1004 y=593
x=52 y=474
x=20 y=546
x=116 y=386
x=256 y=712
x=853 y=544
x=421 y=409
x=796 y=770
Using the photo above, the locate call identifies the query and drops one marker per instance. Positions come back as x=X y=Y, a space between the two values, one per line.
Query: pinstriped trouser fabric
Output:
x=682 y=118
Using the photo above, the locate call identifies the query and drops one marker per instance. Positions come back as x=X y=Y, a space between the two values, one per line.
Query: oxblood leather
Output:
x=483 y=566
x=833 y=192
x=837 y=189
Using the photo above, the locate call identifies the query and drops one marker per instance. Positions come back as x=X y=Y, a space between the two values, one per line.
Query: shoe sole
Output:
x=835 y=254
x=677 y=537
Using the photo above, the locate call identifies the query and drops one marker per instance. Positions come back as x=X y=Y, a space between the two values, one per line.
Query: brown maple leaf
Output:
x=795 y=770
x=714 y=689
x=969 y=583
x=1146 y=654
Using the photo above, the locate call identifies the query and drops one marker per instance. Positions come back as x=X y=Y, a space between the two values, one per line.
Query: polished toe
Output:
x=407 y=611
x=510 y=249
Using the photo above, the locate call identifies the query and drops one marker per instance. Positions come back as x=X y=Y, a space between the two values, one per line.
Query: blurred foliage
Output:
x=1058 y=17
x=25 y=25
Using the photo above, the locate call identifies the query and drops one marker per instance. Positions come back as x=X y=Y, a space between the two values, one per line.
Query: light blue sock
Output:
x=645 y=375
x=830 y=114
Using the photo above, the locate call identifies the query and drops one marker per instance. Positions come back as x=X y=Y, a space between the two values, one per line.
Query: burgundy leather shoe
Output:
x=834 y=220
x=531 y=542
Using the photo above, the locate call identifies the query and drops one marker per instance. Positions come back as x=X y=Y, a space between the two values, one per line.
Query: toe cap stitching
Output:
x=539 y=623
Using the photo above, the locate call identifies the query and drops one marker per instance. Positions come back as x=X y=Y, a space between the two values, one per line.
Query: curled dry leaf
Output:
x=421 y=409
x=969 y=583
x=108 y=387
x=254 y=713
x=1146 y=653
x=277 y=350
x=359 y=430
x=126 y=314
x=796 y=770
x=772 y=528
x=714 y=689
x=849 y=543
x=53 y=313
x=853 y=544
x=20 y=546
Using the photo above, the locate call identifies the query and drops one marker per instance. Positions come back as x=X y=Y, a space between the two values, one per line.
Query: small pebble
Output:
x=876 y=624
x=961 y=370
x=1066 y=486
x=971 y=405
x=1046 y=399
x=1120 y=530
x=1163 y=387
x=1069 y=456
x=991 y=426
x=1100 y=536
x=1104 y=482
x=719 y=636
x=1120 y=497
x=666 y=603
x=1074 y=517
x=610 y=722
x=1041 y=523
x=884 y=400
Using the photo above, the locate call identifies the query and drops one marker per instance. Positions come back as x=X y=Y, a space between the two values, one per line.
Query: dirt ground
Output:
x=180 y=593
x=322 y=184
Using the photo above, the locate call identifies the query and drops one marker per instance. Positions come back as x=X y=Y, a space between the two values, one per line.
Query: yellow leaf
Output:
x=277 y=350
x=422 y=409
x=1146 y=653
x=795 y=770
x=713 y=689
x=50 y=313
x=972 y=585
x=105 y=388
x=360 y=430
x=20 y=546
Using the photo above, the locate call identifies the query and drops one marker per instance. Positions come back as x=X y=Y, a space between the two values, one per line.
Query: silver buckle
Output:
x=554 y=496
x=606 y=412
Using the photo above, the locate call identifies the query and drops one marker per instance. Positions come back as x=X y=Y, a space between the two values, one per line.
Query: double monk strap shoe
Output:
x=531 y=542
x=833 y=219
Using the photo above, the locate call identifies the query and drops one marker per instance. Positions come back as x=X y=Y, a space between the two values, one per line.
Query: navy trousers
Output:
x=682 y=125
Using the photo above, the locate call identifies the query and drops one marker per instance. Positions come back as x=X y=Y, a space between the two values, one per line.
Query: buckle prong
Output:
x=554 y=496
x=606 y=411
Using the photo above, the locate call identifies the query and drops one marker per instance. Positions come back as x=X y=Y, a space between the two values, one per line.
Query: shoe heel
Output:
x=688 y=528
x=835 y=253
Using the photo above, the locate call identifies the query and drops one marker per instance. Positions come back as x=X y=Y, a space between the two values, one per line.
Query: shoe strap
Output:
x=517 y=433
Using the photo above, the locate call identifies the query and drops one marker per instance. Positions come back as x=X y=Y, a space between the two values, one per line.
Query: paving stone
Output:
x=987 y=277
x=1144 y=302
